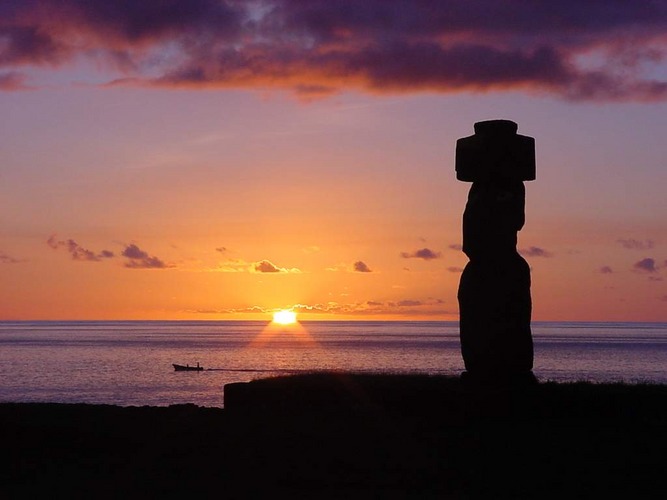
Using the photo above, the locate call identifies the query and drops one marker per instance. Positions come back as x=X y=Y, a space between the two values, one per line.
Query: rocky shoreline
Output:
x=343 y=435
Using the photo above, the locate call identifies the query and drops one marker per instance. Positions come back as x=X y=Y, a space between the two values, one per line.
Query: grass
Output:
x=347 y=435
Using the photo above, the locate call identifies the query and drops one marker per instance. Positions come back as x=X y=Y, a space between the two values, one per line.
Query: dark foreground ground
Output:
x=348 y=436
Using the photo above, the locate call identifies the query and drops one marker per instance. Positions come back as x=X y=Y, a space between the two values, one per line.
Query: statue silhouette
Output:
x=494 y=291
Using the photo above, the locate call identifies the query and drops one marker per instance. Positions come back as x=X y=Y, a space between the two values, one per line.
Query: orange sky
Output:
x=234 y=198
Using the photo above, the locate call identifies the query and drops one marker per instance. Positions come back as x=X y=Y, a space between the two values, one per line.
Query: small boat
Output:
x=187 y=368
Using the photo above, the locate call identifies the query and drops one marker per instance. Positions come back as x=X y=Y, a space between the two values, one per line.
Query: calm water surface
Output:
x=130 y=362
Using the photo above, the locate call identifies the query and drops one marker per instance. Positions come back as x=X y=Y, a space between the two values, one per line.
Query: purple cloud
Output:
x=605 y=270
x=381 y=46
x=77 y=251
x=535 y=252
x=361 y=267
x=422 y=253
x=646 y=265
x=139 y=259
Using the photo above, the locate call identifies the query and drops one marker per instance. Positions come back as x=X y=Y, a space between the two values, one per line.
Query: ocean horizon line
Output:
x=268 y=321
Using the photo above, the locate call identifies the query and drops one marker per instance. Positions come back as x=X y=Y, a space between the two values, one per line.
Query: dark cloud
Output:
x=535 y=252
x=77 y=251
x=605 y=270
x=422 y=253
x=454 y=269
x=456 y=246
x=646 y=265
x=139 y=259
x=361 y=267
x=632 y=244
x=221 y=249
x=319 y=47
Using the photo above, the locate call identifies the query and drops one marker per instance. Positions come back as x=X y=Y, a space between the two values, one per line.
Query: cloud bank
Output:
x=595 y=50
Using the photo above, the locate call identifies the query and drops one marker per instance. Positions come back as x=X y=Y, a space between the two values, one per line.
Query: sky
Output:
x=224 y=159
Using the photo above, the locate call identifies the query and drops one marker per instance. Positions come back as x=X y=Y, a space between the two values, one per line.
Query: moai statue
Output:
x=494 y=292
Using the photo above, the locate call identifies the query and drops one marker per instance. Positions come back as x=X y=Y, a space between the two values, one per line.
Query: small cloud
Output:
x=409 y=303
x=605 y=270
x=361 y=267
x=535 y=252
x=645 y=265
x=265 y=266
x=655 y=278
x=454 y=269
x=77 y=251
x=632 y=244
x=311 y=249
x=456 y=247
x=8 y=259
x=139 y=259
x=221 y=249
x=373 y=303
x=422 y=253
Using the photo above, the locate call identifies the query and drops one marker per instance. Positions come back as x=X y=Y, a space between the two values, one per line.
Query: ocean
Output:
x=129 y=363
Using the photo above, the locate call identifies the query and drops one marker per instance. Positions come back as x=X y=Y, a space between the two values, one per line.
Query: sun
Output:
x=284 y=317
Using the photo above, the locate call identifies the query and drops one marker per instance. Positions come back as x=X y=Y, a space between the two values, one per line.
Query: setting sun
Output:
x=284 y=317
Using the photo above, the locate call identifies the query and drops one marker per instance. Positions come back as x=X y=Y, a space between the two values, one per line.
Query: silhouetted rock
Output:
x=352 y=436
x=494 y=291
